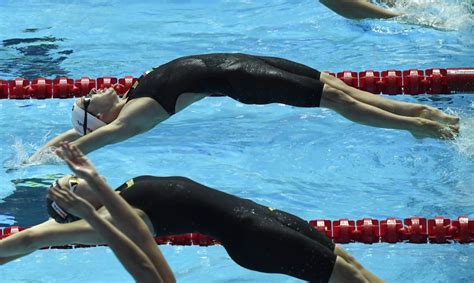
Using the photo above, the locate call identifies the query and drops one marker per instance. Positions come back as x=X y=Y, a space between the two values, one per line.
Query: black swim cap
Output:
x=55 y=211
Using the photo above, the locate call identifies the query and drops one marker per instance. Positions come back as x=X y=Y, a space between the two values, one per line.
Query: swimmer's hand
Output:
x=71 y=202
x=46 y=156
x=21 y=160
x=77 y=161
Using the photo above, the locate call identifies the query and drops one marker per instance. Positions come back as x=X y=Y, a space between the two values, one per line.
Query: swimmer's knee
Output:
x=347 y=257
x=334 y=98
x=29 y=239
x=332 y=81
x=345 y=272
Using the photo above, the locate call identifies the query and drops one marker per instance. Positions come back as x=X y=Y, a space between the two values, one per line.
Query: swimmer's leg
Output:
x=261 y=83
x=265 y=245
x=257 y=82
x=354 y=263
x=393 y=106
x=363 y=113
x=302 y=226
x=345 y=272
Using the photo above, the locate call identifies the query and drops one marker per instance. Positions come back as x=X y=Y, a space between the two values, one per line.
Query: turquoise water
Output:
x=310 y=162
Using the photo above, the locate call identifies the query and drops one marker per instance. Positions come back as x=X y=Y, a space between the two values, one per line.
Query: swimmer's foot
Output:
x=439 y=116
x=431 y=129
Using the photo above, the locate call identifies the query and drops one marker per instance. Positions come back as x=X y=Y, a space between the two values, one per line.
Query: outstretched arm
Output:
x=46 y=234
x=358 y=9
x=125 y=217
x=109 y=134
x=50 y=233
x=137 y=116
x=132 y=258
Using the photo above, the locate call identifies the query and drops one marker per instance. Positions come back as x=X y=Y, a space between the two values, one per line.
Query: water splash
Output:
x=439 y=14
x=464 y=144
x=20 y=157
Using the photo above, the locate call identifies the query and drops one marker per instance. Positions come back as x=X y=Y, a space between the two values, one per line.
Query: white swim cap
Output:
x=79 y=117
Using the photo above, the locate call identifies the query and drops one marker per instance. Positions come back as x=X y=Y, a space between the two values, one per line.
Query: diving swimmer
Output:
x=130 y=239
x=103 y=118
x=256 y=237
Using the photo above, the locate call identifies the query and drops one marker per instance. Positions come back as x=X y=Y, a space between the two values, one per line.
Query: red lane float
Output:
x=62 y=87
x=40 y=88
x=3 y=89
x=438 y=230
x=392 y=82
x=348 y=77
x=125 y=84
x=18 y=88
x=83 y=86
x=460 y=79
x=391 y=230
x=414 y=82
x=106 y=82
x=370 y=81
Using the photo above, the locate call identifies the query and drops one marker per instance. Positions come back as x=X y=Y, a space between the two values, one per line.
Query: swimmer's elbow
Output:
x=125 y=130
x=22 y=242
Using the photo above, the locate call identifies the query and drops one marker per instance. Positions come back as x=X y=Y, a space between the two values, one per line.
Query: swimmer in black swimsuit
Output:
x=171 y=87
x=256 y=237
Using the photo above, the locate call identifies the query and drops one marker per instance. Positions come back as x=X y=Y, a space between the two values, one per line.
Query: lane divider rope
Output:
x=392 y=82
x=438 y=230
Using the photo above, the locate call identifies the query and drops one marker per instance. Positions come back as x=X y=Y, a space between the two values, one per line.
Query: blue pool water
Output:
x=310 y=162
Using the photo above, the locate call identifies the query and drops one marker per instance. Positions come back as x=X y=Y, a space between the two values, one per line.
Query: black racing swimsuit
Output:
x=256 y=237
x=245 y=78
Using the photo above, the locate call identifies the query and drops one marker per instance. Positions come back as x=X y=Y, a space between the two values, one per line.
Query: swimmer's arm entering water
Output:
x=69 y=136
x=358 y=9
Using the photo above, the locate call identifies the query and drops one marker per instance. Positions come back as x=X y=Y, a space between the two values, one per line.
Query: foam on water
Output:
x=439 y=14
x=465 y=142
x=21 y=154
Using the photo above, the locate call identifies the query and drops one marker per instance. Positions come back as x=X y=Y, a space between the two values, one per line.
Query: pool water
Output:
x=310 y=162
